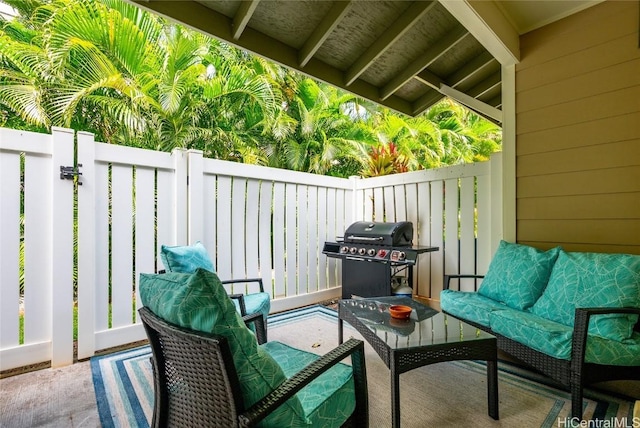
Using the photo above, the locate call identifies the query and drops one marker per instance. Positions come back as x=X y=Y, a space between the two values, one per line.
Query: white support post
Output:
x=62 y=248
x=508 y=176
x=180 y=159
x=497 y=201
x=195 y=195
x=86 y=246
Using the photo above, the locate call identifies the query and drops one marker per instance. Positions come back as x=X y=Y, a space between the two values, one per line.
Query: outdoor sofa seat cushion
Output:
x=554 y=339
x=256 y=303
x=198 y=301
x=469 y=305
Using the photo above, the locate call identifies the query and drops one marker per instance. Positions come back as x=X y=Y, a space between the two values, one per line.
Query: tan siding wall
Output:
x=578 y=132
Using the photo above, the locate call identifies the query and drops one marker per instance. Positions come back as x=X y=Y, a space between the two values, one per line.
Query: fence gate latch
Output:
x=68 y=172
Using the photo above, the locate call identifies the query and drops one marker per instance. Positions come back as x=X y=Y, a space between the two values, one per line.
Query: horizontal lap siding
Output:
x=578 y=132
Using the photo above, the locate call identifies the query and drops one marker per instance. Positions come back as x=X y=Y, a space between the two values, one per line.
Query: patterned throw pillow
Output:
x=518 y=274
x=593 y=280
x=186 y=258
x=199 y=302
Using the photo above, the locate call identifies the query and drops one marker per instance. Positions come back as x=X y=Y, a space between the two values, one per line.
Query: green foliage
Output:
x=133 y=78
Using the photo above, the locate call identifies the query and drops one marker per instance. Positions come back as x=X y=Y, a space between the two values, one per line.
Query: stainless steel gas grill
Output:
x=377 y=258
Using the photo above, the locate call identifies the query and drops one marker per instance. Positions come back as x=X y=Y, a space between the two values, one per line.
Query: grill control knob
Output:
x=402 y=255
x=344 y=250
x=371 y=252
x=382 y=253
x=362 y=251
x=353 y=250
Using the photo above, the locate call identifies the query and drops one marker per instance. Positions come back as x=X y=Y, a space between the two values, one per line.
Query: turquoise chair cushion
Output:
x=593 y=280
x=199 y=302
x=256 y=303
x=607 y=351
x=518 y=274
x=469 y=305
x=329 y=400
x=185 y=258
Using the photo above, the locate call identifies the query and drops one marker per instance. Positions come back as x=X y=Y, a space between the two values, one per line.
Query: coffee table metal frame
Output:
x=405 y=359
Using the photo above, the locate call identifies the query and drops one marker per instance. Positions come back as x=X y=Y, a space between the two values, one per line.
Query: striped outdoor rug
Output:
x=443 y=395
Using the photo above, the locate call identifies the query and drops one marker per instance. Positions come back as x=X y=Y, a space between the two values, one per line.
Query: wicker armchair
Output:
x=196 y=383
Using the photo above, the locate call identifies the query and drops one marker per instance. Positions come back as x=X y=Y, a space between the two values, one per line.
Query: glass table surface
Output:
x=426 y=326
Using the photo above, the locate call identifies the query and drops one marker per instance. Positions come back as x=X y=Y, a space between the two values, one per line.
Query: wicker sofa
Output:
x=571 y=316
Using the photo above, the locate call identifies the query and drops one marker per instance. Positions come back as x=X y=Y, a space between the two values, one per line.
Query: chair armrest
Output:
x=240 y=298
x=260 y=330
x=447 y=279
x=291 y=386
x=581 y=328
x=237 y=281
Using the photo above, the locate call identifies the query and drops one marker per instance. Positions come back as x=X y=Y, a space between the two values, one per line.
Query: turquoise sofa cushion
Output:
x=606 y=351
x=518 y=274
x=469 y=305
x=549 y=337
x=554 y=339
x=329 y=400
x=199 y=302
x=185 y=258
x=586 y=280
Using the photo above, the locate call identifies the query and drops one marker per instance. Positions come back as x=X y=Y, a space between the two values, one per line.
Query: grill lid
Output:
x=393 y=234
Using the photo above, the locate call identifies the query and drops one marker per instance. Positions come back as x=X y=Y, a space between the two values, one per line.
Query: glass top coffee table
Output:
x=427 y=337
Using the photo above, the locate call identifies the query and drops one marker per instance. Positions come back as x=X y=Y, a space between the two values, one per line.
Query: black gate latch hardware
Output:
x=68 y=172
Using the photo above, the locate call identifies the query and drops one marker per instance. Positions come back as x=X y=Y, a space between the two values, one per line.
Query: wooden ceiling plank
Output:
x=472 y=68
x=423 y=61
x=396 y=30
x=322 y=31
x=242 y=17
x=486 y=85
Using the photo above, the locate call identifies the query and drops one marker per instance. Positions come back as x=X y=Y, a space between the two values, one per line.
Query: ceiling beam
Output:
x=429 y=79
x=423 y=61
x=489 y=26
x=322 y=31
x=242 y=17
x=426 y=101
x=396 y=30
x=471 y=102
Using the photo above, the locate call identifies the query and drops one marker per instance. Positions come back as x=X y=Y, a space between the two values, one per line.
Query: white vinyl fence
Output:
x=254 y=221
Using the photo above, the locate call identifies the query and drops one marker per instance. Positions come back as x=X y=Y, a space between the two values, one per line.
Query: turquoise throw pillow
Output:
x=518 y=274
x=593 y=280
x=199 y=302
x=186 y=258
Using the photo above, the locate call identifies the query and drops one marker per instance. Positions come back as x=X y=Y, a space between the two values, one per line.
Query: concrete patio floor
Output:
x=54 y=398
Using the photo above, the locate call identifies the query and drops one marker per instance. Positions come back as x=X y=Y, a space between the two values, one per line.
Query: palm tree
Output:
x=132 y=78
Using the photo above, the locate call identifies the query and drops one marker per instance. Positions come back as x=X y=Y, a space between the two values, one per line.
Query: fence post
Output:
x=62 y=250
x=180 y=159
x=194 y=195
x=357 y=200
x=86 y=246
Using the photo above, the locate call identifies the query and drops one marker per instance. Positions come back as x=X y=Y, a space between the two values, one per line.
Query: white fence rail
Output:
x=255 y=221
